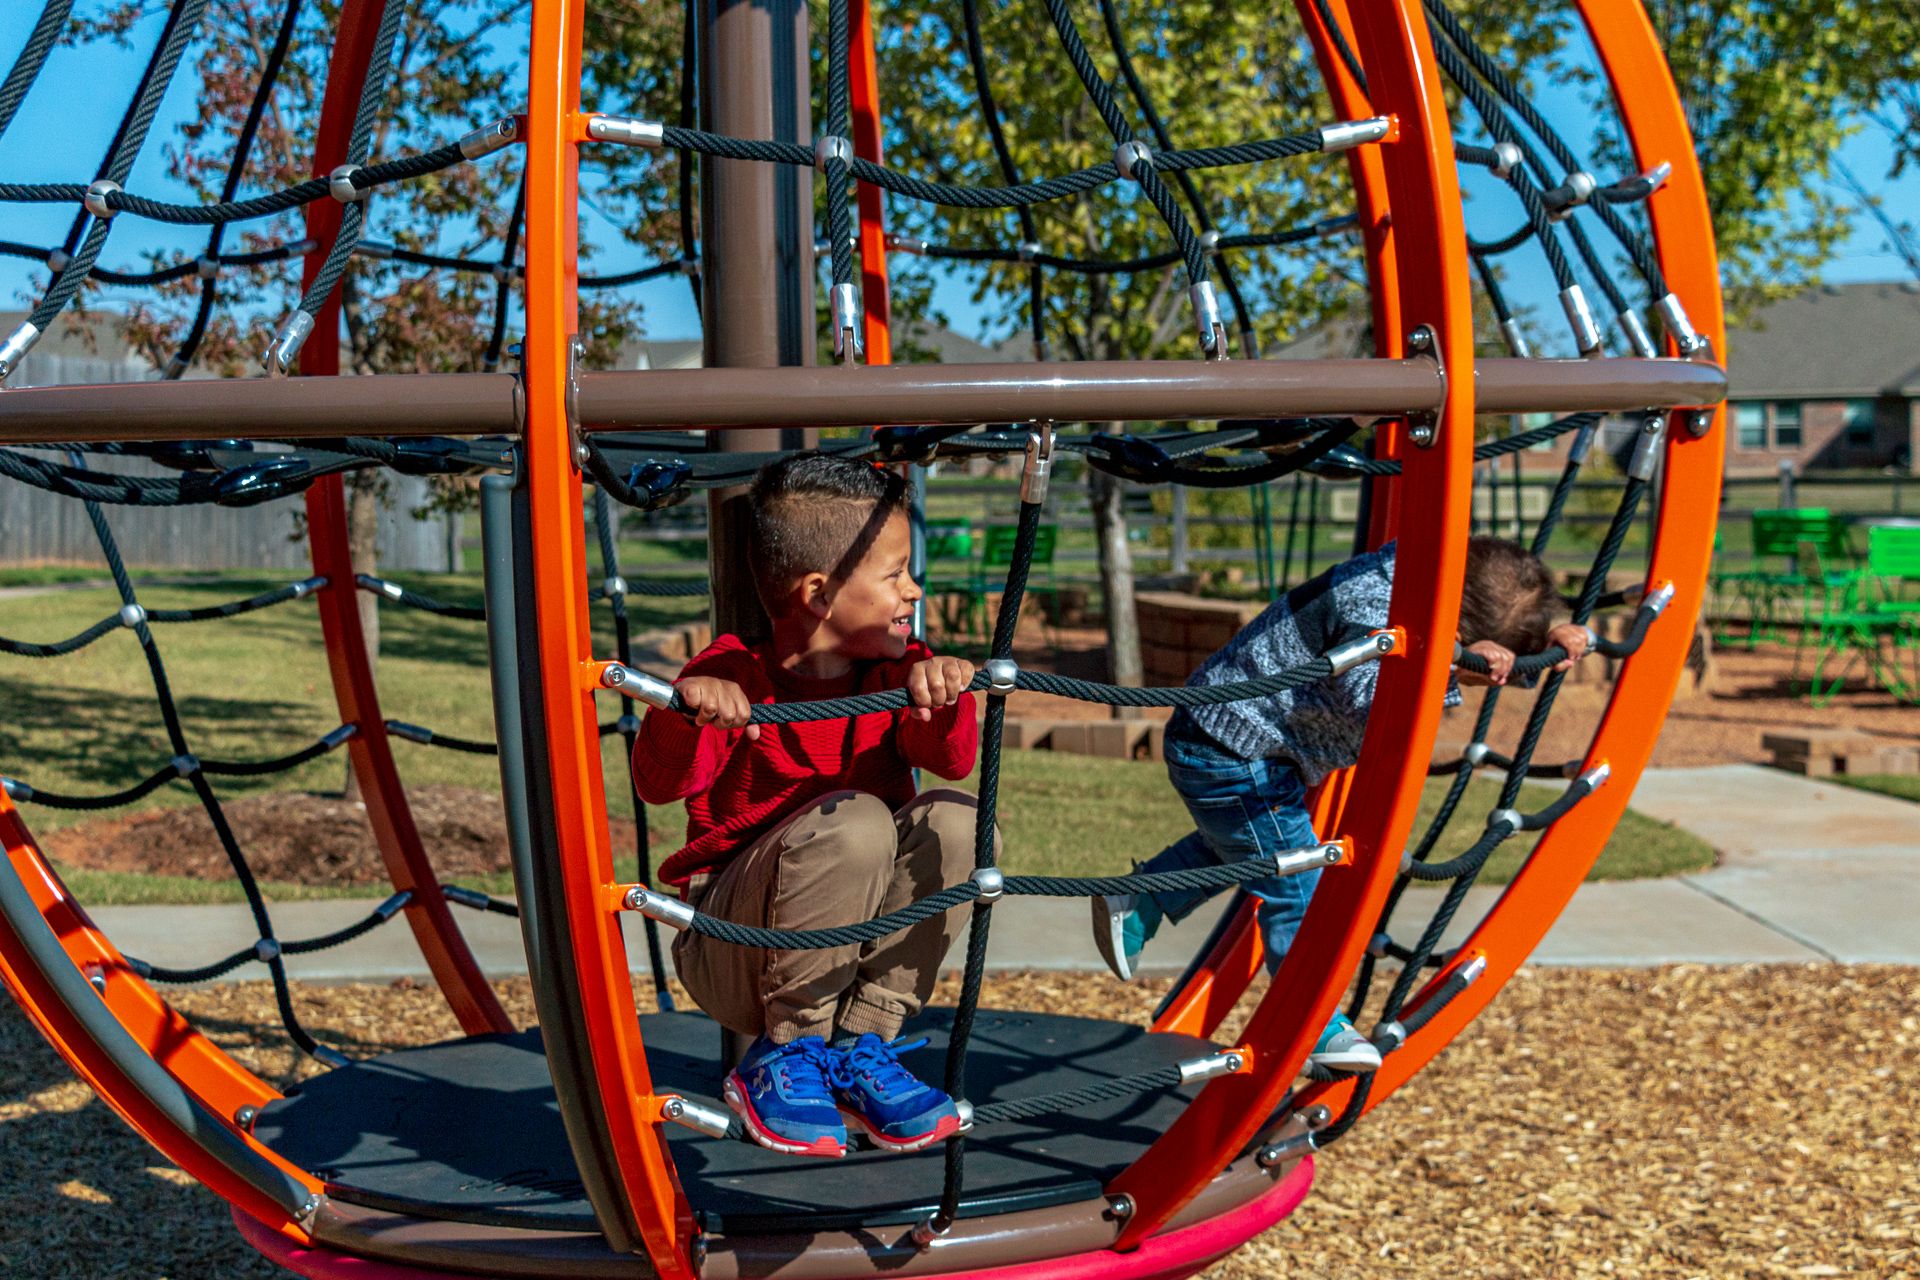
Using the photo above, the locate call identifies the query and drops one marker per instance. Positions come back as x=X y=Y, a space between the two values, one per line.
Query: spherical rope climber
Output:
x=1226 y=1151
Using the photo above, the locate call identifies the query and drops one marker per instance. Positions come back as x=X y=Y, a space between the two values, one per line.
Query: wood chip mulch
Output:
x=1677 y=1122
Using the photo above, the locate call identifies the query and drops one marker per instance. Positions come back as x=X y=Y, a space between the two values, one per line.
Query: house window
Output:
x=1860 y=422
x=1786 y=424
x=1750 y=425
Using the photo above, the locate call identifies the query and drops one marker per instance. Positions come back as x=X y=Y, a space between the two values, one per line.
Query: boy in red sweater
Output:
x=812 y=825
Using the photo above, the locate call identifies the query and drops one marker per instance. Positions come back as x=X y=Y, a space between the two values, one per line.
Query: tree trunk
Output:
x=363 y=532
x=1116 y=582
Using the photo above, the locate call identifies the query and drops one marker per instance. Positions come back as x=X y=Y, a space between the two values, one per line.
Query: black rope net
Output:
x=649 y=473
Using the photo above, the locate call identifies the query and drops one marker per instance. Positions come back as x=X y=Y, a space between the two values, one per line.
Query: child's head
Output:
x=829 y=543
x=1509 y=596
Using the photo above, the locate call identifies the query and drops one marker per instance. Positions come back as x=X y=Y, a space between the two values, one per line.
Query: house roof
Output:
x=685 y=353
x=1832 y=342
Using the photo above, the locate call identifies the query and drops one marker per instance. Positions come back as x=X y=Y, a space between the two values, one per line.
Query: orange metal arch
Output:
x=1224 y=974
x=565 y=679
x=876 y=301
x=1426 y=228
x=448 y=957
x=1656 y=125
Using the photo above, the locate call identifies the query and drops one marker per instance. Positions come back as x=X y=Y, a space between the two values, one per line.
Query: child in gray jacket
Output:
x=1244 y=768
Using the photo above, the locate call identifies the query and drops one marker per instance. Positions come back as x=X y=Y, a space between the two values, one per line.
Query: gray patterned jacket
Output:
x=1317 y=727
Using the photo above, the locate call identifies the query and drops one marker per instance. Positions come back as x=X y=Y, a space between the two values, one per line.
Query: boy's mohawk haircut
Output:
x=816 y=513
x=1509 y=596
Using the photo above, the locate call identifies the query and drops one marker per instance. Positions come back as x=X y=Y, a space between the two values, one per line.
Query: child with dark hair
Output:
x=1244 y=768
x=807 y=826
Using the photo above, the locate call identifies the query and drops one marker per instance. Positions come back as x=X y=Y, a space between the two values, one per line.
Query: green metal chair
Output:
x=996 y=557
x=1876 y=622
x=1802 y=544
x=949 y=584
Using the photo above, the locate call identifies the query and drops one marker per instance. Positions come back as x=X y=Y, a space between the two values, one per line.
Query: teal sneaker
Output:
x=1342 y=1048
x=1122 y=924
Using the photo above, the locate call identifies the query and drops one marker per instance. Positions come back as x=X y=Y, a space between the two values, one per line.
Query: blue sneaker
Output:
x=1122 y=924
x=899 y=1111
x=783 y=1094
x=1342 y=1048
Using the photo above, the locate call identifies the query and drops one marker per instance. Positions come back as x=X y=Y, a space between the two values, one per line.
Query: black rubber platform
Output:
x=469 y=1130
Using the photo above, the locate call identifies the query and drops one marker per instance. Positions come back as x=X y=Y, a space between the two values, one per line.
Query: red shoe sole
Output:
x=738 y=1102
x=948 y=1126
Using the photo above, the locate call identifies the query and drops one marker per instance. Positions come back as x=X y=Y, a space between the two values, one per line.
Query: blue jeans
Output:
x=1241 y=809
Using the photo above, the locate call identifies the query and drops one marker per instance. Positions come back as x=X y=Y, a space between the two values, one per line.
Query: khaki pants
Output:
x=842 y=859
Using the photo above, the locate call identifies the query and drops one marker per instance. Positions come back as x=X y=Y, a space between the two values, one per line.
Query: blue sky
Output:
x=63 y=127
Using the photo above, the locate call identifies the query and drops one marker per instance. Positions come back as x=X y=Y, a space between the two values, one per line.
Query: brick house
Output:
x=1829 y=378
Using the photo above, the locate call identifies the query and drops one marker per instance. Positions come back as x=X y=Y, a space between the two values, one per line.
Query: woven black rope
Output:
x=304 y=946
x=33 y=56
x=181 y=767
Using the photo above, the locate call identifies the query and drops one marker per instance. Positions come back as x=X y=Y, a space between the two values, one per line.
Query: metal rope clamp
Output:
x=1033 y=477
x=658 y=906
x=628 y=131
x=1348 y=134
x=1367 y=648
x=1130 y=156
x=638 y=685
x=992 y=883
x=1506 y=158
x=96 y=198
x=829 y=147
x=18 y=343
x=1003 y=676
x=1206 y=315
x=340 y=184
x=848 y=343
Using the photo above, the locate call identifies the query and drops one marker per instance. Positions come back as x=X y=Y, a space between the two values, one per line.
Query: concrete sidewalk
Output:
x=1809 y=872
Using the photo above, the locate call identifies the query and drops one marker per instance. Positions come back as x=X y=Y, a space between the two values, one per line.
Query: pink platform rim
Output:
x=1163 y=1257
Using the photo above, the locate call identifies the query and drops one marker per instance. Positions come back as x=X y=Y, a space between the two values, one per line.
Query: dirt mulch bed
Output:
x=1680 y=1122
x=300 y=838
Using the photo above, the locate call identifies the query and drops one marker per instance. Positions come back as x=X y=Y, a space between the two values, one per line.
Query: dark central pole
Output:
x=756 y=254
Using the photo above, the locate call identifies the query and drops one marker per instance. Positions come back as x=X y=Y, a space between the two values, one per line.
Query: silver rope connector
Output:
x=658 y=906
x=1129 y=156
x=339 y=736
x=266 y=950
x=639 y=685
x=206 y=266
x=1646 y=450
x=1678 y=326
x=1206 y=315
x=185 y=765
x=1657 y=602
x=627 y=724
x=410 y=731
x=1289 y=862
x=848 y=343
x=16 y=790
x=929 y=1232
x=897 y=243
x=1033 y=476
x=58 y=260
x=1348 y=134
x=992 y=883
x=1511 y=819
x=340 y=184
x=1388 y=1036
x=307 y=586
x=1476 y=753
x=1596 y=777
x=1586 y=334
x=284 y=351
x=1210 y=241
x=628 y=131
x=1470 y=972
x=1516 y=338
x=494 y=137
x=96 y=198
x=132 y=615
x=392 y=906
x=1637 y=336
x=1570 y=195
x=1367 y=648
x=391 y=590
x=1028 y=250
x=965 y=1109
x=371 y=248
x=1003 y=675
x=1506 y=158
x=15 y=348
x=614 y=587
x=1194 y=1070
x=828 y=147
x=690 y=266
x=696 y=1116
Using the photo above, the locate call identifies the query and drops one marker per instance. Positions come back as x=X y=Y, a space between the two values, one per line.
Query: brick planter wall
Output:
x=1179 y=632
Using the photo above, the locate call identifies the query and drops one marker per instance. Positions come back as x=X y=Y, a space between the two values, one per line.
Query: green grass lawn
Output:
x=257 y=686
x=1901 y=786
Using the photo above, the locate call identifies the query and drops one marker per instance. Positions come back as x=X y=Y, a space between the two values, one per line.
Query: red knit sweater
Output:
x=737 y=790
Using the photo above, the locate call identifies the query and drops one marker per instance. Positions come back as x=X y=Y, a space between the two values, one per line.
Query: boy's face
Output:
x=870 y=611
